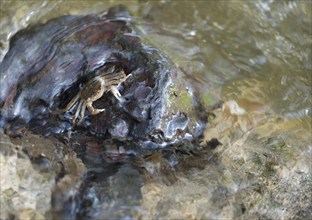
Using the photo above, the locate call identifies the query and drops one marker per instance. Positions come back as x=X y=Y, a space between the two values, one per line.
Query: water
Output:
x=255 y=56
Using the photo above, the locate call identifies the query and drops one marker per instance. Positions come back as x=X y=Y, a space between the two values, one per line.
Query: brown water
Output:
x=253 y=55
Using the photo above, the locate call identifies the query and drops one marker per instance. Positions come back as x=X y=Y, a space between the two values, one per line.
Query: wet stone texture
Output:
x=142 y=137
x=39 y=176
x=140 y=159
x=47 y=64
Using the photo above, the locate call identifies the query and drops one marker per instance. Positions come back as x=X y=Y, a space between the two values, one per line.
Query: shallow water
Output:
x=255 y=56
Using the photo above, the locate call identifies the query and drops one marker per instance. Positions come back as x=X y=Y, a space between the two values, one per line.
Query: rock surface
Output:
x=45 y=68
x=48 y=63
x=34 y=171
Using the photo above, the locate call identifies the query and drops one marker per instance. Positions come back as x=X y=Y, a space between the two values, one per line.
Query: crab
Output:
x=94 y=90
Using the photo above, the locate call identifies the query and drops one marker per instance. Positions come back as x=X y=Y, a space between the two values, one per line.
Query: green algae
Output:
x=180 y=100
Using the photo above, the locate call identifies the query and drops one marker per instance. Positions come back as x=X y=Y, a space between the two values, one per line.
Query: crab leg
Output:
x=93 y=110
x=127 y=77
x=77 y=111
x=82 y=111
x=68 y=106
x=115 y=92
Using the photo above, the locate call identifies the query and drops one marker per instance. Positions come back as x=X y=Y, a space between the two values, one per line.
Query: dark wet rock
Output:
x=48 y=63
x=119 y=129
x=124 y=193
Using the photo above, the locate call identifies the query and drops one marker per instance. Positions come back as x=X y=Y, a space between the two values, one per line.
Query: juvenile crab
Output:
x=94 y=90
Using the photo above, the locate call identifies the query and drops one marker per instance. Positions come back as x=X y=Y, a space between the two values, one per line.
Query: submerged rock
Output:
x=47 y=64
x=34 y=171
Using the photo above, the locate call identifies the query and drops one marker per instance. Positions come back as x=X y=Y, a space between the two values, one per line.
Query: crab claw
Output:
x=116 y=93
